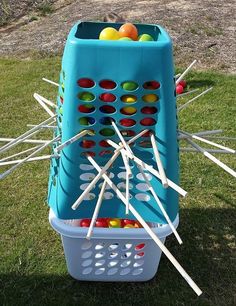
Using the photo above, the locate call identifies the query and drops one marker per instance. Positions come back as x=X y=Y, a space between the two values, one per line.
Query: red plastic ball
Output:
x=86 y=83
x=85 y=222
x=179 y=89
x=183 y=83
x=127 y=122
x=148 y=121
x=107 y=97
x=107 y=84
x=101 y=222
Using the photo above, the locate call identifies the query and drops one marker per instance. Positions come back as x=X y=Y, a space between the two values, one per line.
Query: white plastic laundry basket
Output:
x=112 y=254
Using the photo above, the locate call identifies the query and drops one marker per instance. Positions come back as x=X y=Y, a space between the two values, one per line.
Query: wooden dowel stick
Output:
x=181 y=136
x=158 y=161
x=128 y=174
x=95 y=180
x=160 y=205
x=44 y=106
x=20 y=153
x=37 y=127
x=164 y=249
x=50 y=103
x=40 y=141
x=193 y=99
x=51 y=82
x=208 y=142
x=185 y=72
x=187 y=149
x=187 y=93
x=39 y=158
x=9 y=171
x=96 y=210
x=71 y=140
x=126 y=146
x=213 y=158
x=137 y=136
x=151 y=170
x=44 y=126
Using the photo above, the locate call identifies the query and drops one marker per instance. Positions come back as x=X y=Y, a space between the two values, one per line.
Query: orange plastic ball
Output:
x=128 y=30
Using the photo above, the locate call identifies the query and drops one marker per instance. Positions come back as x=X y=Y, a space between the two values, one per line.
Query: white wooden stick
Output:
x=40 y=141
x=137 y=136
x=39 y=158
x=203 y=133
x=151 y=170
x=44 y=126
x=187 y=149
x=187 y=93
x=37 y=127
x=51 y=82
x=20 y=153
x=96 y=210
x=126 y=146
x=95 y=180
x=158 y=161
x=71 y=140
x=213 y=158
x=220 y=137
x=164 y=249
x=44 y=106
x=10 y=146
x=4 y=174
x=193 y=99
x=127 y=176
x=177 y=75
x=185 y=72
x=209 y=142
x=50 y=103
x=160 y=205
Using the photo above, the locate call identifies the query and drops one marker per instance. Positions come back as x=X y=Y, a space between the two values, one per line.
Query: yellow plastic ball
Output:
x=129 y=99
x=114 y=223
x=150 y=98
x=129 y=226
x=109 y=34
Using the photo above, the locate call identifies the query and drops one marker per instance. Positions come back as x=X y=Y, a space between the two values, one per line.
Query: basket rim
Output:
x=67 y=230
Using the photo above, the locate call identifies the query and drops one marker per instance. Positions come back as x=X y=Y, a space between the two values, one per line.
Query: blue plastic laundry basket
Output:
x=86 y=57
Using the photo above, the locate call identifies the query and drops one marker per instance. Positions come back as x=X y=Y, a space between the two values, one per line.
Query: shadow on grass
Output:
x=200 y=83
x=207 y=255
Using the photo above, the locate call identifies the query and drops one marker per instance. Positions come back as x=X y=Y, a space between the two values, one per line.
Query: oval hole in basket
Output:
x=126 y=255
x=86 y=254
x=129 y=85
x=87 y=144
x=100 y=263
x=139 y=255
x=142 y=187
x=85 y=83
x=148 y=121
x=86 y=121
x=125 y=263
x=86 y=96
x=106 y=120
x=87 y=176
x=87 y=270
x=100 y=255
x=99 y=271
x=107 y=84
x=87 y=262
x=137 y=271
x=100 y=246
x=125 y=271
x=127 y=246
x=89 y=197
x=141 y=178
x=150 y=98
x=151 y=85
x=104 y=144
x=127 y=133
x=139 y=246
x=107 y=186
x=149 y=110
x=113 y=246
x=122 y=186
x=108 y=195
x=86 y=245
x=127 y=122
x=86 y=108
x=107 y=97
x=107 y=109
x=113 y=255
x=106 y=153
x=128 y=99
x=86 y=167
x=145 y=144
x=112 y=263
x=112 y=271
x=142 y=197
x=128 y=110
x=107 y=132
x=138 y=263
x=84 y=186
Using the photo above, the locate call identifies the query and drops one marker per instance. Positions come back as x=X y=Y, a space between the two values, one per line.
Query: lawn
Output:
x=32 y=265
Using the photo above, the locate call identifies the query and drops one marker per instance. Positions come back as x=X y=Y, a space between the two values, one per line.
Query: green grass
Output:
x=32 y=265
